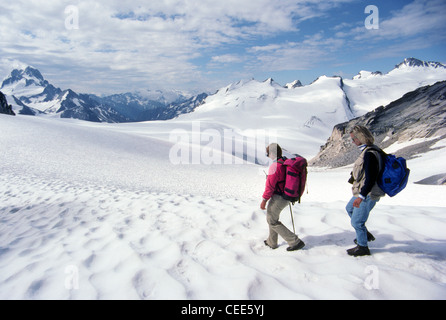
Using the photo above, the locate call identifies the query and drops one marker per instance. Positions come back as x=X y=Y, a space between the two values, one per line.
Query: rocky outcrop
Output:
x=437 y=180
x=5 y=108
x=418 y=114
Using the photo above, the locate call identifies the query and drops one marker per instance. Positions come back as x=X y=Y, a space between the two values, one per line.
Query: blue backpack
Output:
x=394 y=174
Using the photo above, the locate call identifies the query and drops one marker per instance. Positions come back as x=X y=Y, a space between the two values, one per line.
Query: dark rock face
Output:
x=4 y=107
x=418 y=114
x=437 y=180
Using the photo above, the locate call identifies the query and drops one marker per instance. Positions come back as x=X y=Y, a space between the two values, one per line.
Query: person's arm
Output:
x=371 y=171
x=271 y=183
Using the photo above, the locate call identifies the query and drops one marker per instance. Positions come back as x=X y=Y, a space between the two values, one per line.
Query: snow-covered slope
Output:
x=170 y=209
x=293 y=116
x=369 y=90
x=309 y=113
x=99 y=211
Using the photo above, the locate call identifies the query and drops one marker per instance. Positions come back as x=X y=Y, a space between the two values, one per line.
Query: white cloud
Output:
x=227 y=58
x=415 y=19
x=140 y=40
x=288 y=56
x=301 y=55
x=120 y=45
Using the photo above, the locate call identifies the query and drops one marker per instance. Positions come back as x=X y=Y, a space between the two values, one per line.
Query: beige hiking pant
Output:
x=275 y=206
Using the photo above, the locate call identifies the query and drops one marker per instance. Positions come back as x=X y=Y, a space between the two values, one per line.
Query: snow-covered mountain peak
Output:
x=271 y=82
x=28 y=73
x=164 y=97
x=369 y=90
x=28 y=80
x=235 y=86
x=408 y=65
x=33 y=73
x=367 y=74
x=294 y=84
x=326 y=79
x=413 y=62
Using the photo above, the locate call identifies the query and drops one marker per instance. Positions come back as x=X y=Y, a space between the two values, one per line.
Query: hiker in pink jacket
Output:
x=276 y=203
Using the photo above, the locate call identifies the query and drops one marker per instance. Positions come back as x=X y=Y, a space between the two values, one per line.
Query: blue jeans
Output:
x=359 y=217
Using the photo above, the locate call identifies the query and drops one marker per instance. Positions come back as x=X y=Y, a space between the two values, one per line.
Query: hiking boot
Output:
x=297 y=246
x=359 y=251
x=370 y=237
x=266 y=244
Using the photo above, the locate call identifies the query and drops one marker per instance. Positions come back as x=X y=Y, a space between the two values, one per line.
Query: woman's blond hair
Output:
x=363 y=135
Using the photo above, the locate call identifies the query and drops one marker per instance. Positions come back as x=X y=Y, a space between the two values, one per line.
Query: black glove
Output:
x=351 y=180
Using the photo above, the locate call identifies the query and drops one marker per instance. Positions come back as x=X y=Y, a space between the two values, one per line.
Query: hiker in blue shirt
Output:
x=366 y=192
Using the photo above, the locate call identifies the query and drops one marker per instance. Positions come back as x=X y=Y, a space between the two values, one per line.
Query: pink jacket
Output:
x=275 y=182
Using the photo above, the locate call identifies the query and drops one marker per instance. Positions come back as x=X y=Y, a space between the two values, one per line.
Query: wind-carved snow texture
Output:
x=96 y=211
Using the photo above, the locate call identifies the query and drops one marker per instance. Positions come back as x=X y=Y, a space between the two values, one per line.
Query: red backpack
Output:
x=295 y=178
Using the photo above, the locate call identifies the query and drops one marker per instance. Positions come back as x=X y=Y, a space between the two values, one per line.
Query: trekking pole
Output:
x=292 y=219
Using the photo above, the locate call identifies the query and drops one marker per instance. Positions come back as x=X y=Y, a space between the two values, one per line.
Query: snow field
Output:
x=140 y=245
x=93 y=211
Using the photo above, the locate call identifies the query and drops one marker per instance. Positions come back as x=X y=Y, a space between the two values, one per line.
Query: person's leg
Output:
x=359 y=217
x=275 y=207
x=350 y=207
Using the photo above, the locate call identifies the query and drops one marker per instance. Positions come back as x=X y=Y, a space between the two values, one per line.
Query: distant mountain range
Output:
x=29 y=93
x=322 y=104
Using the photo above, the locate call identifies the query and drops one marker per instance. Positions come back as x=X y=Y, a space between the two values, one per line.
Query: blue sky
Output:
x=111 y=46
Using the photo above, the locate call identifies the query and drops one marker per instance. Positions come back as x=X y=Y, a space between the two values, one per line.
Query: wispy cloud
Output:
x=295 y=55
x=155 y=40
x=416 y=26
x=418 y=18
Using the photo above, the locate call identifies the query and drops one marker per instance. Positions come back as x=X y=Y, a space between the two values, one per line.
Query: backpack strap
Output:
x=281 y=160
x=277 y=190
x=379 y=154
